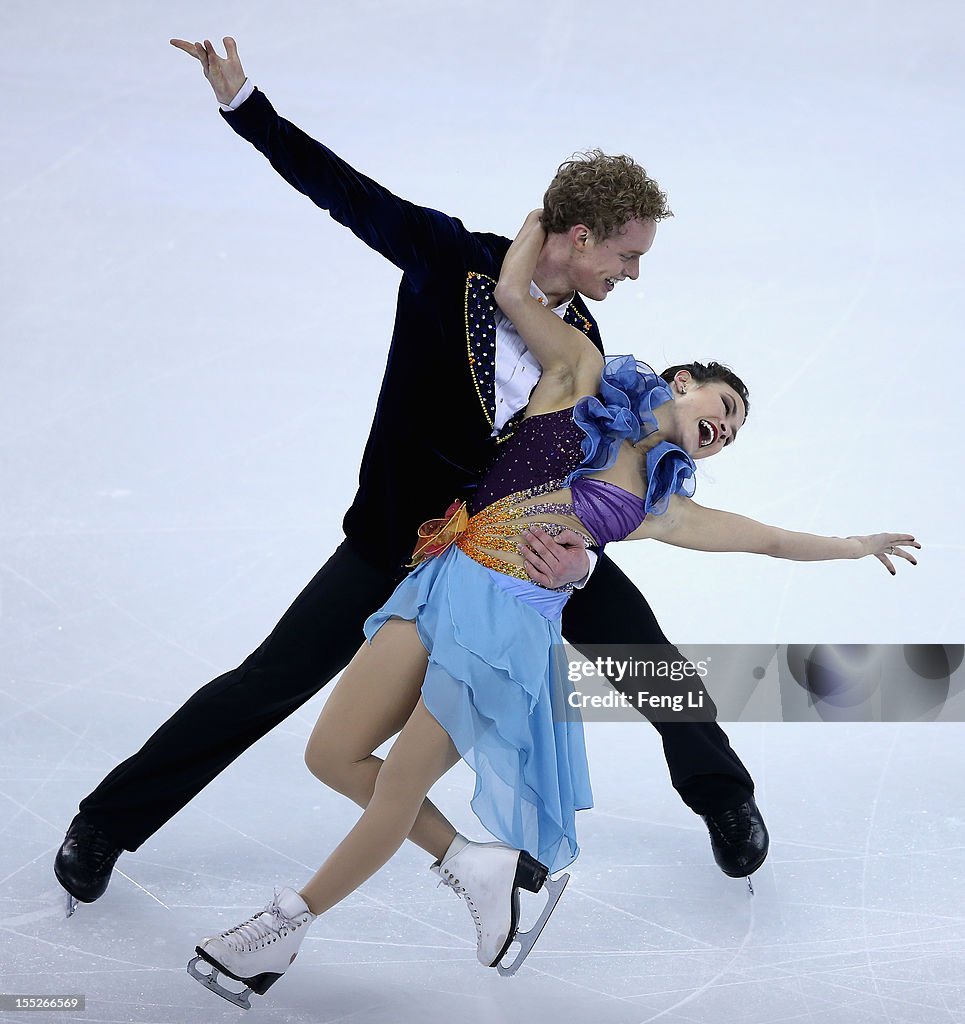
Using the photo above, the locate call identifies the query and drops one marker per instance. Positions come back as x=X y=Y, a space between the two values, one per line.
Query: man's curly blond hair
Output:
x=603 y=192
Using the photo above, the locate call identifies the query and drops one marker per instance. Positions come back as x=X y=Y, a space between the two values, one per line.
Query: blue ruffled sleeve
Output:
x=670 y=470
x=624 y=411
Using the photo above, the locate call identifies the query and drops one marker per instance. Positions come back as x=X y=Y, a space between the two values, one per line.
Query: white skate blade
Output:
x=70 y=904
x=554 y=890
x=210 y=982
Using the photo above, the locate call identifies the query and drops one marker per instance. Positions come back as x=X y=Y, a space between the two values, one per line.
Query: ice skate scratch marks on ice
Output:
x=78 y=405
x=855 y=990
x=890 y=911
x=645 y=920
x=47 y=853
x=30 y=583
x=711 y=981
x=30 y=811
x=54 y=910
x=864 y=873
x=141 y=887
x=35 y=708
x=830 y=480
x=79 y=739
x=154 y=631
x=53 y=166
x=26 y=707
x=81 y=952
x=32 y=799
x=43 y=855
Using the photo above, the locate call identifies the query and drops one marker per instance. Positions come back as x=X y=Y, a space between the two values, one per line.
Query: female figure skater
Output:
x=458 y=662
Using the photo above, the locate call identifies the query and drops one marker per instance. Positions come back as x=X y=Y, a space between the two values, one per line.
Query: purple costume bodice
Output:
x=544 y=452
x=545 y=447
x=609 y=512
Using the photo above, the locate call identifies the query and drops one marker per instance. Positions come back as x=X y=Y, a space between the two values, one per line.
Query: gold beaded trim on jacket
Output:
x=481 y=336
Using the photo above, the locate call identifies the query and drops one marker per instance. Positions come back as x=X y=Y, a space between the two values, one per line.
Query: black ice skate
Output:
x=84 y=863
x=488 y=876
x=739 y=840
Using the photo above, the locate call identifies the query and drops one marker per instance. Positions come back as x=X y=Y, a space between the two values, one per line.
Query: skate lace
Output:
x=733 y=826
x=267 y=926
x=447 y=878
x=97 y=845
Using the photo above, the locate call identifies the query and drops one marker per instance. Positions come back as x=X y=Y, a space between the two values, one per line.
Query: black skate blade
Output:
x=554 y=890
x=259 y=983
x=210 y=982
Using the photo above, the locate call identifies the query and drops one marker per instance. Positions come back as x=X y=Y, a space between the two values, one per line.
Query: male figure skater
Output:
x=449 y=338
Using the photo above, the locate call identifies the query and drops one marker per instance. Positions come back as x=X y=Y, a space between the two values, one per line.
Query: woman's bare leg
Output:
x=372 y=701
x=422 y=754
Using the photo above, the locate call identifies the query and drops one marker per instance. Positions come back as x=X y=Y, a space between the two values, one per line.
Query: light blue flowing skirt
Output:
x=494 y=683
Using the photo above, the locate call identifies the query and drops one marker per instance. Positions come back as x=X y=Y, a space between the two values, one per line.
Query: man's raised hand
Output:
x=225 y=74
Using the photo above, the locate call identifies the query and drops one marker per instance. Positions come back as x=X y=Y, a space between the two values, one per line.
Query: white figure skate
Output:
x=488 y=876
x=257 y=952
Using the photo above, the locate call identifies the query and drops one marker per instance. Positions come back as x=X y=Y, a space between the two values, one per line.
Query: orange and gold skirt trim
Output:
x=496 y=528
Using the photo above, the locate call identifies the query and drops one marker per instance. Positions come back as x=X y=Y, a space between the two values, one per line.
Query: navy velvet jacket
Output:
x=443 y=349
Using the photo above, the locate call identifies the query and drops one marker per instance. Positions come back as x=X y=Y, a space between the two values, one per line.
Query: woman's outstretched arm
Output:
x=686 y=524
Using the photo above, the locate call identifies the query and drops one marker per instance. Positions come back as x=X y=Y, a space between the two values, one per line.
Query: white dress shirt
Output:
x=517 y=371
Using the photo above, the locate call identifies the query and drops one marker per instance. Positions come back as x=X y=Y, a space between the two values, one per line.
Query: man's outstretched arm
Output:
x=415 y=238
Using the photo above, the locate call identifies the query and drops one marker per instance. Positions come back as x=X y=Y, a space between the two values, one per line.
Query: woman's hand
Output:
x=225 y=74
x=533 y=227
x=885 y=546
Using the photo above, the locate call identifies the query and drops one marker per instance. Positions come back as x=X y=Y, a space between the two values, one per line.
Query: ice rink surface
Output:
x=190 y=358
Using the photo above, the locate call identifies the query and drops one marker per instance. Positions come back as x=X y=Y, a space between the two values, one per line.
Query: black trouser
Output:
x=610 y=610
x=314 y=641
